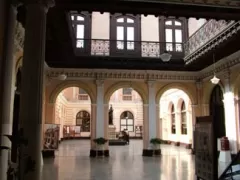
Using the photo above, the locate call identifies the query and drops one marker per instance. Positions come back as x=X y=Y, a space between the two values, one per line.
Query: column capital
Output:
x=46 y=3
x=151 y=83
x=99 y=82
x=199 y=84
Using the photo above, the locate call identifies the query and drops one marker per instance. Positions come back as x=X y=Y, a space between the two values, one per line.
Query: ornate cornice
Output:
x=222 y=66
x=139 y=75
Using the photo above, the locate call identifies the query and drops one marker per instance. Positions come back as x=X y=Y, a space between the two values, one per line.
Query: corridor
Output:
x=72 y=162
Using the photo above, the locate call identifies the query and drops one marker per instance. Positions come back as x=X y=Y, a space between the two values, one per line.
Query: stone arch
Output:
x=179 y=104
x=55 y=92
x=125 y=84
x=179 y=86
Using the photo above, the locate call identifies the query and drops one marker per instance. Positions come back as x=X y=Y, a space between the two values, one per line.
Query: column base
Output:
x=48 y=153
x=151 y=152
x=225 y=156
x=99 y=153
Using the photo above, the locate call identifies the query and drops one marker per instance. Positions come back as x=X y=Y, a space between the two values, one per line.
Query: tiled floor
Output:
x=72 y=162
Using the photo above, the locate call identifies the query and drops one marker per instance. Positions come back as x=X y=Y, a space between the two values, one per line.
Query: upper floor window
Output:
x=173 y=120
x=183 y=119
x=82 y=94
x=125 y=31
x=127 y=94
x=174 y=35
x=83 y=120
x=81 y=24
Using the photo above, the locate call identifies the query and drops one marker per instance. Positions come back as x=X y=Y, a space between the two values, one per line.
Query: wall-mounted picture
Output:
x=51 y=136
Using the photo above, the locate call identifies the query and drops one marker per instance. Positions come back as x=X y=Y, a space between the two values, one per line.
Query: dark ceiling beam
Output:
x=154 y=8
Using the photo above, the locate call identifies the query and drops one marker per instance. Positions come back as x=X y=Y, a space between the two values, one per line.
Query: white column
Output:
x=7 y=86
x=152 y=110
x=100 y=109
x=32 y=85
x=230 y=116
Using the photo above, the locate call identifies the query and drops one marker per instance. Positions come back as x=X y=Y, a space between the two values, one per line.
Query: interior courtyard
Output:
x=104 y=91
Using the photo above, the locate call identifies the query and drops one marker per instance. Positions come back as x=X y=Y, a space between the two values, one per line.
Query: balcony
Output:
x=116 y=48
x=210 y=35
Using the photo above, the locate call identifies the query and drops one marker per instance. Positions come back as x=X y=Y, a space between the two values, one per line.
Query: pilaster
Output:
x=152 y=117
x=230 y=114
x=32 y=85
x=7 y=83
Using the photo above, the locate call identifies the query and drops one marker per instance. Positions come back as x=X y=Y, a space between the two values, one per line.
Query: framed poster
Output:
x=51 y=136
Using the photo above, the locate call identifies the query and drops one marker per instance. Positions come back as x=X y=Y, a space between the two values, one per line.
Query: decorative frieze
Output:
x=124 y=75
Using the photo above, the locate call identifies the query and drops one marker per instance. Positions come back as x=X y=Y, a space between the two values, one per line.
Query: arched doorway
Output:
x=83 y=120
x=72 y=112
x=217 y=111
x=126 y=106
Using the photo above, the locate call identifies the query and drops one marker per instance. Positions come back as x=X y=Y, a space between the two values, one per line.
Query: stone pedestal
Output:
x=225 y=156
x=112 y=135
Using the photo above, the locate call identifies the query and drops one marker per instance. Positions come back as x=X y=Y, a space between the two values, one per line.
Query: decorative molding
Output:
x=138 y=75
x=223 y=65
x=209 y=36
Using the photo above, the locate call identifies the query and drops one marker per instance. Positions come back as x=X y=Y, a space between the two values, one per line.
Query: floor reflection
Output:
x=72 y=162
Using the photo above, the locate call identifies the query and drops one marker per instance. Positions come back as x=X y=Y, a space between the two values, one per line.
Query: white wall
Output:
x=100 y=25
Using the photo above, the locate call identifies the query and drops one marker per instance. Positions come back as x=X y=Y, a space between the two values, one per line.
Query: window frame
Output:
x=184 y=129
x=137 y=35
x=87 y=32
x=84 y=120
x=173 y=119
x=122 y=117
x=162 y=34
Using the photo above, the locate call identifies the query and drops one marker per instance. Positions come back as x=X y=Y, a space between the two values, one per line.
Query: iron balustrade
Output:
x=106 y=47
x=210 y=30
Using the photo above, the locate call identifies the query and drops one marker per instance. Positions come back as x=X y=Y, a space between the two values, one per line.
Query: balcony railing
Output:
x=209 y=31
x=103 y=47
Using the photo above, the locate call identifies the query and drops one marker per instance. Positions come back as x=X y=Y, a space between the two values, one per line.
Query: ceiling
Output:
x=60 y=50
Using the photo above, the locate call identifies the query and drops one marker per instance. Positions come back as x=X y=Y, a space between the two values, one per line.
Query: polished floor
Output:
x=72 y=162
